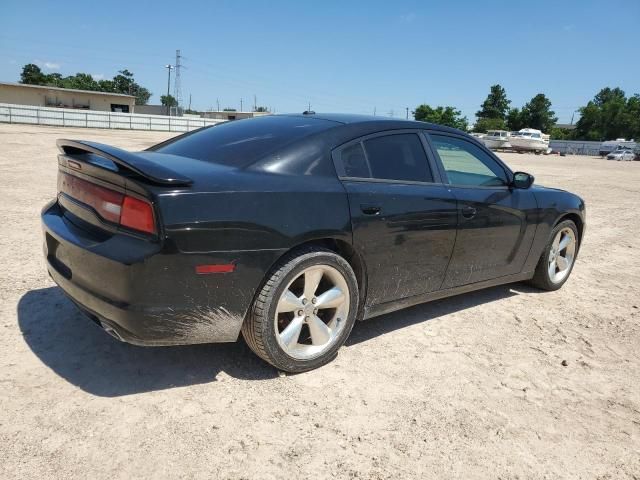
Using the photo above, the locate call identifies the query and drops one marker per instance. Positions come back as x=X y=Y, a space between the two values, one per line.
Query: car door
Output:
x=403 y=218
x=496 y=223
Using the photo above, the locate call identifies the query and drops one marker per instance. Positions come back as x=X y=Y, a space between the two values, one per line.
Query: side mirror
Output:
x=522 y=180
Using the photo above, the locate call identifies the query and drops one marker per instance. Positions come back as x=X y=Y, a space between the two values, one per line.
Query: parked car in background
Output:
x=288 y=228
x=622 y=154
x=611 y=145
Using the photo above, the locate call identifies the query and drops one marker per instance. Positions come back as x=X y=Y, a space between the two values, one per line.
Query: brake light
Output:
x=137 y=214
x=112 y=206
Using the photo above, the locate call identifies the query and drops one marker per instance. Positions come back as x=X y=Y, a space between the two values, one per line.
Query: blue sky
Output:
x=344 y=56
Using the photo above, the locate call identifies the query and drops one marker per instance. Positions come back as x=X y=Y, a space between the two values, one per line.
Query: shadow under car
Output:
x=81 y=353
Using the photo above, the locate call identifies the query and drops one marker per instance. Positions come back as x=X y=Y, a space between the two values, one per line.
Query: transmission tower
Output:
x=177 y=87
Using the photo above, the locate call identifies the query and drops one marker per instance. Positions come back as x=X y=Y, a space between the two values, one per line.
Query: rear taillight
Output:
x=115 y=207
x=137 y=214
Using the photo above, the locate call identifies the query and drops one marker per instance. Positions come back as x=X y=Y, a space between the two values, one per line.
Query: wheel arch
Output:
x=575 y=218
x=346 y=251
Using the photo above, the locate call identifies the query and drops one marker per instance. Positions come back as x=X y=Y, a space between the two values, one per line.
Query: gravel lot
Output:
x=468 y=387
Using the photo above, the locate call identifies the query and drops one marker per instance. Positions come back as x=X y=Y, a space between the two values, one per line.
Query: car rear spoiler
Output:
x=152 y=171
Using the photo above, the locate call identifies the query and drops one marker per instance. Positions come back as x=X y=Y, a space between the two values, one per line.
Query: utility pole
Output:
x=374 y=111
x=168 y=67
x=407 y=113
x=240 y=104
x=189 y=102
x=218 y=104
x=177 y=83
x=255 y=103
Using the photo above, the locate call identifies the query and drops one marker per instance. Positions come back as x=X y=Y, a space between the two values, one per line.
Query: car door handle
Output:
x=469 y=212
x=368 y=209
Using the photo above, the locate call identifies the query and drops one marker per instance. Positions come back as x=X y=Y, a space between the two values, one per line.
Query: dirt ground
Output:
x=467 y=387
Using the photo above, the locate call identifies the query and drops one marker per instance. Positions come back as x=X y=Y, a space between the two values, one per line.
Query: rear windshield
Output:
x=240 y=143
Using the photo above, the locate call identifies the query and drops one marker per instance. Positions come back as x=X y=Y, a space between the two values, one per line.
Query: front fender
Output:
x=554 y=206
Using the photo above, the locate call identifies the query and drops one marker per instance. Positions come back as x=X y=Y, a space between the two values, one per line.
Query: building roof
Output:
x=45 y=87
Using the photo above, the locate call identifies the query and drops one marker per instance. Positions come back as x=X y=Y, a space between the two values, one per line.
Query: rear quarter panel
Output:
x=261 y=211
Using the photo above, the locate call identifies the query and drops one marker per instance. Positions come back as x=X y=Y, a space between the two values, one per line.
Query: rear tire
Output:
x=558 y=257
x=304 y=312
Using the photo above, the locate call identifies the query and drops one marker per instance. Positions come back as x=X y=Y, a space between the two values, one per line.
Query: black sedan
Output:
x=288 y=228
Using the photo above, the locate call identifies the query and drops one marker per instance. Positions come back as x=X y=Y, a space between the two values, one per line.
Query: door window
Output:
x=354 y=162
x=398 y=157
x=467 y=164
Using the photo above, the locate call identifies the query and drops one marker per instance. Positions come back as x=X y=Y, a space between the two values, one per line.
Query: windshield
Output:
x=240 y=143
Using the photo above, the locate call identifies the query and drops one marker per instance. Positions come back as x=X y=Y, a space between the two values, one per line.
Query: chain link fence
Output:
x=66 y=117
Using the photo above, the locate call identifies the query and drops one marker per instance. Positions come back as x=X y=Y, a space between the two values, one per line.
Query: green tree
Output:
x=32 y=75
x=448 y=116
x=54 y=80
x=557 y=133
x=608 y=116
x=124 y=83
x=121 y=83
x=80 y=81
x=514 y=120
x=106 y=86
x=496 y=105
x=537 y=113
x=168 y=101
x=142 y=94
x=262 y=109
x=632 y=117
x=483 y=125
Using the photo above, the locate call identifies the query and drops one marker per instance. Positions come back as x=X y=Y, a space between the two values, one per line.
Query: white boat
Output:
x=529 y=140
x=497 y=139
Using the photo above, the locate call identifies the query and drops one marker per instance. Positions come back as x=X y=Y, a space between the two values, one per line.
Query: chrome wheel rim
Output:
x=312 y=312
x=561 y=255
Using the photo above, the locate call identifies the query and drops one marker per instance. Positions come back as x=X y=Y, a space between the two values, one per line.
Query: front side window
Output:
x=467 y=164
x=398 y=157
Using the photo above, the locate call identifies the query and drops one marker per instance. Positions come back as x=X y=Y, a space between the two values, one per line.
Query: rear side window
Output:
x=398 y=157
x=354 y=162
x=389 y=157
x=242 y=142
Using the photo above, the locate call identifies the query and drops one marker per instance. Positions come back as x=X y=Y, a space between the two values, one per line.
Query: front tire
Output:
x=304 y=312
x=558 y=257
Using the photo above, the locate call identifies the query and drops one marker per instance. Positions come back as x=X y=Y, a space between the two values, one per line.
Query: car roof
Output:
x=355 y=119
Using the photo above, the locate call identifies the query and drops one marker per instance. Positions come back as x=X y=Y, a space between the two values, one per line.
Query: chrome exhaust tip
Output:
x=111 y=331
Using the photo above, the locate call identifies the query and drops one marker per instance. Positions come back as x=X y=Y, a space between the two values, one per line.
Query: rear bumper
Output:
x=147 y=294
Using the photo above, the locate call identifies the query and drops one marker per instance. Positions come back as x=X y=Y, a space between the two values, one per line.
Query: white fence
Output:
x=67 y=117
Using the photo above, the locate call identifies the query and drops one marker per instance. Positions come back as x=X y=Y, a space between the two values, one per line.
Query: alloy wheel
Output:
x=312 y=312
x=562 y=255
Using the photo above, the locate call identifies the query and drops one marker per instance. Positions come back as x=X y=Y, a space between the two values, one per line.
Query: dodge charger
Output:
x=286 y=229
